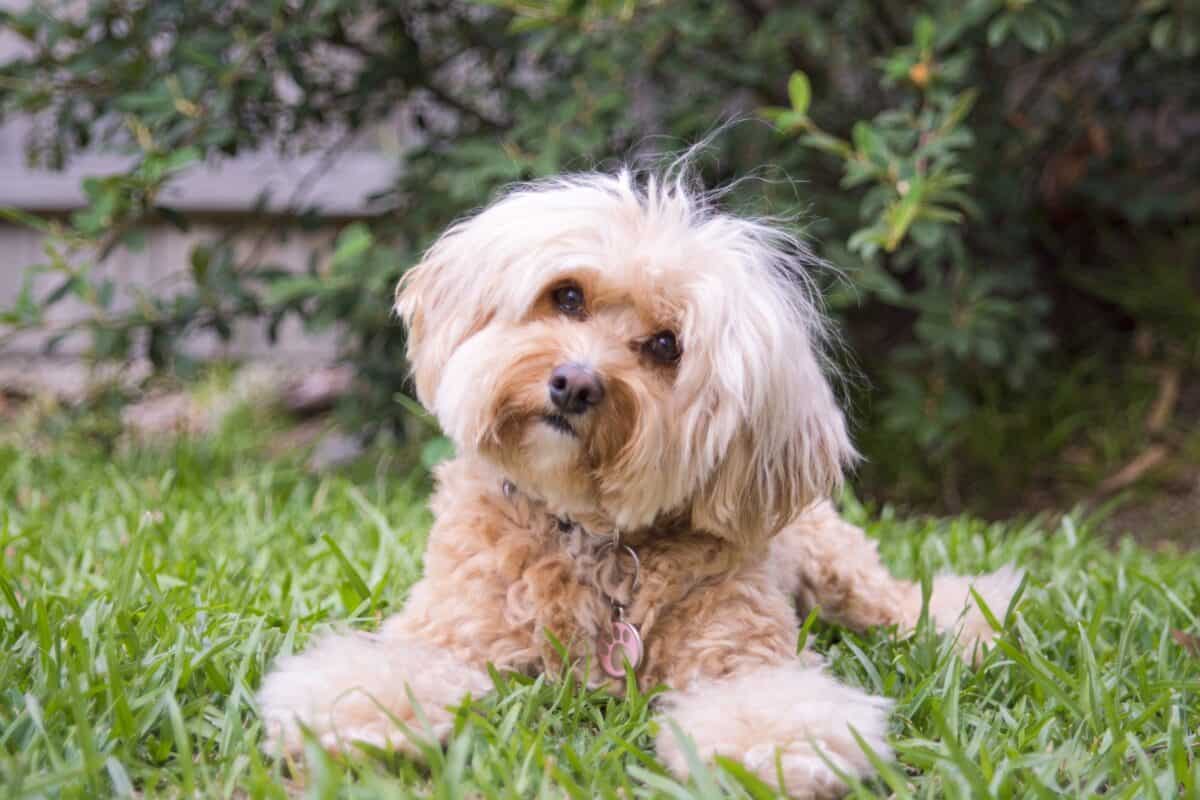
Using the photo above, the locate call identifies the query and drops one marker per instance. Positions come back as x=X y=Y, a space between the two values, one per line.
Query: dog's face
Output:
x=628 y=351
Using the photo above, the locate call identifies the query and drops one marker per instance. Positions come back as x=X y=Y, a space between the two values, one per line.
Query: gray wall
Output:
x=336 y=183
x=160 y=264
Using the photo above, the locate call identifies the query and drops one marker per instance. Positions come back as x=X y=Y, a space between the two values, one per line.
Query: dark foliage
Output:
x=1008 y=187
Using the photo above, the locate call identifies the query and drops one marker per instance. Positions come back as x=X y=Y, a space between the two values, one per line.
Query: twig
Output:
x=1129 y=474
x=1165 y=401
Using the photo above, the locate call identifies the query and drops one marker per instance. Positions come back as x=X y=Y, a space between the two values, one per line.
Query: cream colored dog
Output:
x=646 y=437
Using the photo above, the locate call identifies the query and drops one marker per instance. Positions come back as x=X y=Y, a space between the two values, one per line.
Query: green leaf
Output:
x=785 y=119
x=70 y=285
x=181 y=159
x=1032 y=33
x=20 y=217
x=754 y=786
x=294 y=289
x=900 y=216
x=959 y=111
x=201 y=258
x=799 y=92
x=435 y=451
x=998 y=30
x=802 y=638
x=866 y=140
x=155 y=100
x=923 y=32
x=356 y=586
x=353 y=242
x=134 y=239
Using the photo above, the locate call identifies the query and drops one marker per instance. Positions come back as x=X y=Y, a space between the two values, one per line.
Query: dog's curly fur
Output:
x=713 y=463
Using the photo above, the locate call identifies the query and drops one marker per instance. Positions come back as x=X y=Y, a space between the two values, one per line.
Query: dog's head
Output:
x=624 y=348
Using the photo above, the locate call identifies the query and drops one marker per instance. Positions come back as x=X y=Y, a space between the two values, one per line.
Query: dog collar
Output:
x=565 y=525
x=622 y=645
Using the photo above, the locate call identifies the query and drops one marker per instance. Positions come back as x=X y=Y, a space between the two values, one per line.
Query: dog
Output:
x=637 y=385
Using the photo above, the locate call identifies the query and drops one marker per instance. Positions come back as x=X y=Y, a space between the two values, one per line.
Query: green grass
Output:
x=142 y=596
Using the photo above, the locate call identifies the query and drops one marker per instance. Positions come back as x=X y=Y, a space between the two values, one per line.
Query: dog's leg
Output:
x=787 y=721
x=379 y=689
x=739 y=691
x=455 y=621
x=824 y=561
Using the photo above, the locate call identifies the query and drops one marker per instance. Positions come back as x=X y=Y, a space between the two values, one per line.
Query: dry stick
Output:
x=1164 y=403
x=1156 y=423
x=1129 y=474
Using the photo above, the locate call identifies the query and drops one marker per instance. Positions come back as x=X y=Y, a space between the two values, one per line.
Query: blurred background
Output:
x=1008 y=190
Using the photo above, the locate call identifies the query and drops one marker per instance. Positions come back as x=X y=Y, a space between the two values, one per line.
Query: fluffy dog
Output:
x=635 y=384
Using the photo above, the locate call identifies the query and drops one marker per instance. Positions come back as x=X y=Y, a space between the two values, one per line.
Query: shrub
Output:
x=1005 y=185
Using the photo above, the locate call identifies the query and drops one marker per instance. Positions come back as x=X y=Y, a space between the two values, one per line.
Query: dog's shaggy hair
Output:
x=617 y=360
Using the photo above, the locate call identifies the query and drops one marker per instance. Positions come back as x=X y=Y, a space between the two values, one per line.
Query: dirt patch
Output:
x=1167 y=516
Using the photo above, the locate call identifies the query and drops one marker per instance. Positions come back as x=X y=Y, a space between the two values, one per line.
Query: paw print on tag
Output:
x=624 y=644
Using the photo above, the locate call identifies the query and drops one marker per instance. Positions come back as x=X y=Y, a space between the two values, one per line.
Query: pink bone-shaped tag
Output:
x=624 y=644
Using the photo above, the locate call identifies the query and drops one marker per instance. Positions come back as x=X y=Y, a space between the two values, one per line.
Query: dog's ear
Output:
x=415 y=304
x=773 y=423
x=770 y=473
x=441 y=308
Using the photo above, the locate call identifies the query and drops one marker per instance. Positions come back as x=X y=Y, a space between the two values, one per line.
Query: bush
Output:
x=1005 y=185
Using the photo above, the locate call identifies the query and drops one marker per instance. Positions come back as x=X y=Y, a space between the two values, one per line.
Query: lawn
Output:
x=143 y=594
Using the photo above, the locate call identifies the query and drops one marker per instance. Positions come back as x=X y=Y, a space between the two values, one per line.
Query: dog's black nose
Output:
x=574 y=388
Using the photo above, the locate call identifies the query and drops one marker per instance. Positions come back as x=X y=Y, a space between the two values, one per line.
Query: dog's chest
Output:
x=506 y=585
x=574 y=598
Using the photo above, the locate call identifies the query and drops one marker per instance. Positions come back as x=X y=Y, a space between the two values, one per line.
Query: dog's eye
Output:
x=663 y=347
x=569 y=299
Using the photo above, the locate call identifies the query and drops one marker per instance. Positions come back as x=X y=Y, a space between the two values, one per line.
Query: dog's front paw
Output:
x=805 y=773
x=356 y=688
x=790 y=721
